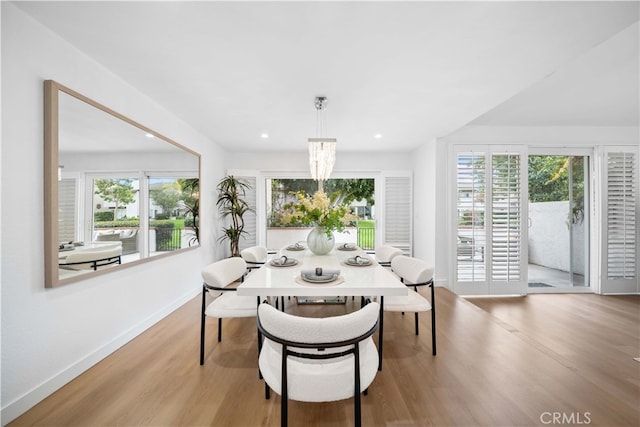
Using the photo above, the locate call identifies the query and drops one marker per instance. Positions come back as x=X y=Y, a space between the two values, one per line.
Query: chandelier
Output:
x=322 y=150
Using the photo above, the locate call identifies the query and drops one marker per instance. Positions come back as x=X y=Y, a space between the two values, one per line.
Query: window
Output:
x=359 y=193
x=149 y=214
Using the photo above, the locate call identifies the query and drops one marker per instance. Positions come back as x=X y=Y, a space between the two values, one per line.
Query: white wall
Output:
x=550 y=237
x=49 y=336
x=425 y=208
x=299 y=161
x=548 y=136
x=116 y=162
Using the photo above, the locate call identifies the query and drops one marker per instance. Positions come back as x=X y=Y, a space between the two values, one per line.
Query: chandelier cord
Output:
x=320 y=118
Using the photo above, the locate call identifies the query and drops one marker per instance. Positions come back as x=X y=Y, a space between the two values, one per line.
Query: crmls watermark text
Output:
x=558 y=418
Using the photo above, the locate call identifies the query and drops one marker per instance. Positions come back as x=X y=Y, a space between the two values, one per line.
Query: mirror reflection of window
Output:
x=173 y=213
x=116 y=214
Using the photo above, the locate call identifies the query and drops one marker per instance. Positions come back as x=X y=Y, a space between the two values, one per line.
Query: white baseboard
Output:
x=27 y=401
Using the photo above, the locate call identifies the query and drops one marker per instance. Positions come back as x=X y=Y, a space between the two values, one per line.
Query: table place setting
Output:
x=295 y=247
x=319 y=275
x=347 y=247
x=283 y=261
x=69 y=246
x=359 y=261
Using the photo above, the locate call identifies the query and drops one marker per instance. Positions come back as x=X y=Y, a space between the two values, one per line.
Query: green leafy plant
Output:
x=318 y=210
x=167 y=196
x=191 y=199
x=549 y=181
x=232 y=206
x=118 y=191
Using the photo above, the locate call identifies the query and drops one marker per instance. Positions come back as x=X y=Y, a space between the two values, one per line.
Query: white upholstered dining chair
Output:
x=93 y=259
x=217 y=277
x=386 y=253
x=255 y=256
x=318 y=359
x=414 y=272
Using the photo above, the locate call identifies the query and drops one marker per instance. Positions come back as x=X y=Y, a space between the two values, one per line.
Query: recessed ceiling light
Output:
x=148 y=135
x=264 y=135
x=377 y=136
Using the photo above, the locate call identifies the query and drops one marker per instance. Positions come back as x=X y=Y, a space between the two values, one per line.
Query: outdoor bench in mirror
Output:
x=111 y=185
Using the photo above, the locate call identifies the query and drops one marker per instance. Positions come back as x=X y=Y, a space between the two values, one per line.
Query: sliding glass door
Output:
x=559 y=220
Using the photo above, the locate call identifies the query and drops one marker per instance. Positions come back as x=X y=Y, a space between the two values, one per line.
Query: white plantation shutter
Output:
x=249 y=239
x=487 y=222
x=67 y=210
x=621 y=221
x=506 y=218
x=398 y=212
x=470 y=232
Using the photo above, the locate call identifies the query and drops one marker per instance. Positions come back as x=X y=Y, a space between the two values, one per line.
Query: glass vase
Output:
x=319 y=242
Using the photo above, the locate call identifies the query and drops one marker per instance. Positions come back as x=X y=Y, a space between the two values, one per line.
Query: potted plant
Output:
x=231 y=203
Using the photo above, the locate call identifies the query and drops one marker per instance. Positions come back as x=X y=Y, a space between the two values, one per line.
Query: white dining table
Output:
x=367 y=281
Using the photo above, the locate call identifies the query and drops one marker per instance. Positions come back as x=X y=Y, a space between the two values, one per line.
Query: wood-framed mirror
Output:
x=116 y=193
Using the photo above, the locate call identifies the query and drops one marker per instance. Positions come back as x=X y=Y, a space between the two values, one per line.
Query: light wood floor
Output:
x=500 y=362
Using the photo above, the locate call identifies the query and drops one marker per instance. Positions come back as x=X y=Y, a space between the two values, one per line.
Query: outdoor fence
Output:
x=366 y=237
x=168 y=238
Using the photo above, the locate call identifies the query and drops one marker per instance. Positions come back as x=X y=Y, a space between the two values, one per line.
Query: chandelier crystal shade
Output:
x=322 y=156
x=322 y=151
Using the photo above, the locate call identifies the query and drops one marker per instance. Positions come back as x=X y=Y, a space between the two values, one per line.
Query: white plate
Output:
x=347 y=247
x=358 y=261
x=288 y=263
x=325 y=278
x=295 y=248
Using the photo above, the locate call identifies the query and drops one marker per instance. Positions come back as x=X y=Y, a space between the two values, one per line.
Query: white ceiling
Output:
x=410 y=71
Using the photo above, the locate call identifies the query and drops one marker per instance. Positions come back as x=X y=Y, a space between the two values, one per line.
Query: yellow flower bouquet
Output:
x=317 y=210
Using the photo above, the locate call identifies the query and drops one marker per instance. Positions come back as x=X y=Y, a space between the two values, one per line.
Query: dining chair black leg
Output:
x=357 y=403
x=267 y=391
x=380 y=327
x=284 y=413
x=416 y=320
x=259 y=341
x=433 y=318
x=433 y=333
x=284 y=392
x=219 y=329
x=202 y=324
x=357 y=415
